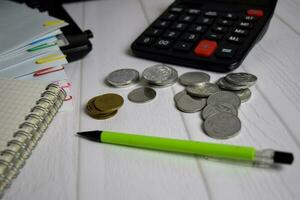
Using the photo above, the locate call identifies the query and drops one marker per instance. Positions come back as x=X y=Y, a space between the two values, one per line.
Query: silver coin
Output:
x=224 y=84
x=193 y=78
x=241 y=78
x=179 y=95
x=224 y=97
x=160 y=75
x=244 y=95
x=142 y=95
x=212 y=109
x=222 y=125
x=189 y=104
x=123 y=77
x=202 y=89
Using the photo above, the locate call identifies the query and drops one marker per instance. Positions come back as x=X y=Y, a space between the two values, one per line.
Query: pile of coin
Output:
x=219 y=102
x=160 y=76
x=104 y=106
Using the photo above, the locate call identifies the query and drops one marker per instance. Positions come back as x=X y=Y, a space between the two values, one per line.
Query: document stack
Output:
x=30 y=46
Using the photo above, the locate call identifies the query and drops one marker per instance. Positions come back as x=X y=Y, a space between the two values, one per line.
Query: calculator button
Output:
x=169 y=16
x=220 y=29
x=190 y=37
x=213 y=36
x=229 y=16
x=235 y=39
x=176 y=9
x=205 y=21
x=246 y=25
x=153 y=32
x=211 y=14
x=240 y=32
x=183 y=46
x=197 y=28
x=249 y=18
x=186 y=18
x=193 y=11
x=224 y=22
x=179 y=26
x=147 y=41
x=171 y=34
x=161 y=24
x=163 y=43
x=226 y=52
x=255 y=13
x=205 y=48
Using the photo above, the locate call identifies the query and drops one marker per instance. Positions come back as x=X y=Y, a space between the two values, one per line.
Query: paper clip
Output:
x=47 y=71
x=49 y=58
x=53 y=23
x=42 y=46
x=68 y=98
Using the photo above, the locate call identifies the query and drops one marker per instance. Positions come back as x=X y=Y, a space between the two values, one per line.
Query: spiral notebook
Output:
x=26 y=110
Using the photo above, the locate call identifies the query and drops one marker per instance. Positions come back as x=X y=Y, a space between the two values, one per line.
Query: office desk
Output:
x=66 y=167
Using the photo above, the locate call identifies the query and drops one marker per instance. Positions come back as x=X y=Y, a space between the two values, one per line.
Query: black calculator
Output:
x=214 y=35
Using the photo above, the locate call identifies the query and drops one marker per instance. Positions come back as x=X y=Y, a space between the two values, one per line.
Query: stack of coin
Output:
x=238 y=83
x=160 y=76
x=123 y=77
x=104 y=106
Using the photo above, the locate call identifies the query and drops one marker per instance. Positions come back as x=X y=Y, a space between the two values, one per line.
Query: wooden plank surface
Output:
x=78 y=169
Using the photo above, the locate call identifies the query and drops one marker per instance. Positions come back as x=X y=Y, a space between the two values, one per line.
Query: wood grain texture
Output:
x=90 y=171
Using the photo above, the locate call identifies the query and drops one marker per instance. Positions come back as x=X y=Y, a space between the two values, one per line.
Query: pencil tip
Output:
x=91 y=135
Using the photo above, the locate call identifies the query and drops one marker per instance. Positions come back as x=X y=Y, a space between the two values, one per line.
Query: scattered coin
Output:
x=189 y=104
x=179 y=94
x=203 y=89
x=244 y=94
x=241 y=78
x=142 y=95
x=224 y=97
x=123 y=77
x=160 y=75
x=224 y=84
x=222 y=125
x=212 y=109
x=193 y=78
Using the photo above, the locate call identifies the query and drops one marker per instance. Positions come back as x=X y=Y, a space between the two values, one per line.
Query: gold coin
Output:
x=104 y=116
x=108 y=102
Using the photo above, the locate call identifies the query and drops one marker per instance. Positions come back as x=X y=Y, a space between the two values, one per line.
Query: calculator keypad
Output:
x=201 y=33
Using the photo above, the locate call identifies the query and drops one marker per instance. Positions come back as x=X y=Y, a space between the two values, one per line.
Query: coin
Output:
x=222 y=125
x=179 y=94
x=105 y=116
x=142 y=95
x=108 y=102
x=224 y=84
x=123 y=77
x=244 y=95
x=212 y=109
x=224 y=97
x=189 y=104
x=193 y=78
x=241 y=78
x=202 y=89
x=160 y=75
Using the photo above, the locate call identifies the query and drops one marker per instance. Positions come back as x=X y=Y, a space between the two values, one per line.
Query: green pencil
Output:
x=261 y=158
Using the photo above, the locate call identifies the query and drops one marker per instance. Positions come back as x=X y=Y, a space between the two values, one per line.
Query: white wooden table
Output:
x=65 y=167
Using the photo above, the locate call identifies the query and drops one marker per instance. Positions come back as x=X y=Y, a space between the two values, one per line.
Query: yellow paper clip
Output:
x=49 y=58
x=53 y=23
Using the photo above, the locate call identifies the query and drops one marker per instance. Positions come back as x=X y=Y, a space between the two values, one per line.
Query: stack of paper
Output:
x=30 y=42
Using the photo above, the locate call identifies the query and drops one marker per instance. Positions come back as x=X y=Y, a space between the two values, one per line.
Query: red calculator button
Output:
x=255 y=13
x=205 y=48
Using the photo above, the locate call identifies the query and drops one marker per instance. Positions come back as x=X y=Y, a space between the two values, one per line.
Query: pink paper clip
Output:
x=66 y=85
x=68 y=98
x=47 y=71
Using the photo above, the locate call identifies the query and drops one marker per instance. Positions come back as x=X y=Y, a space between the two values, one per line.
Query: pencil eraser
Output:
x=283 y=157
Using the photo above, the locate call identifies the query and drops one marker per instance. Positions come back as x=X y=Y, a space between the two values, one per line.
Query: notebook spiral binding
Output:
x=24 y=140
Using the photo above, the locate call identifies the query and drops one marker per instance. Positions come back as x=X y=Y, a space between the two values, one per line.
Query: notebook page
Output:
x=17 y=97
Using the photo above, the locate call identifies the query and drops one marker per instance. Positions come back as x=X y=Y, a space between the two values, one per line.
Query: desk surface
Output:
x=64 y=167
